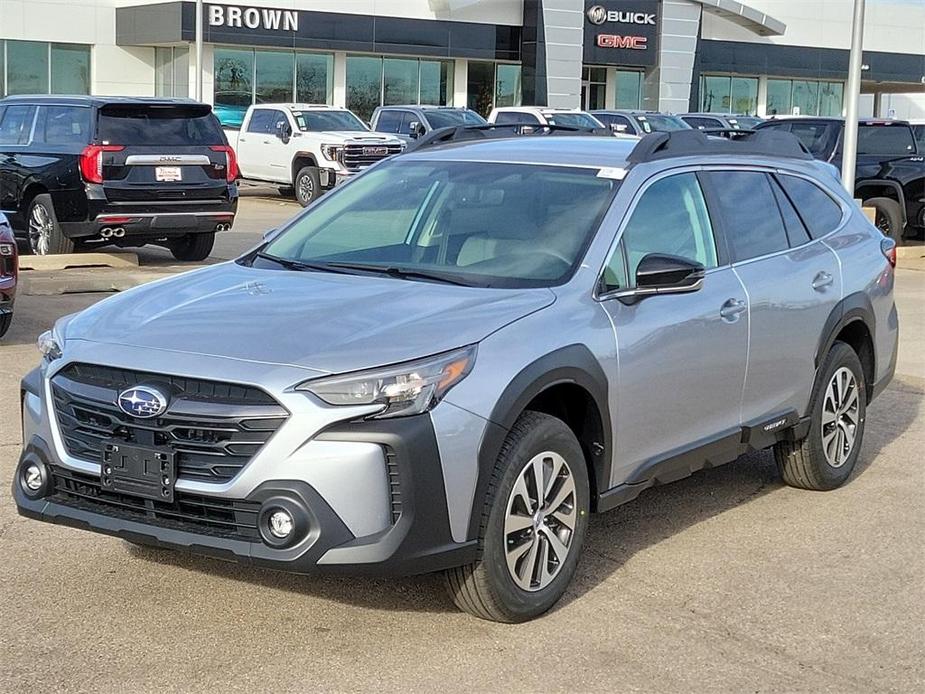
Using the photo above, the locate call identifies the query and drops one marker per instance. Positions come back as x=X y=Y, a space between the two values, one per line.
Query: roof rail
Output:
x=683 y=143
x=464 y=133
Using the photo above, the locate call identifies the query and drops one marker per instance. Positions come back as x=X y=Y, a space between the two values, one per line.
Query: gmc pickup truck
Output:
x=306 y=148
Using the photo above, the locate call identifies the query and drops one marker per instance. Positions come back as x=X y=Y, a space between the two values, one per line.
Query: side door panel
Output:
x=251 y=154
x=681 y=357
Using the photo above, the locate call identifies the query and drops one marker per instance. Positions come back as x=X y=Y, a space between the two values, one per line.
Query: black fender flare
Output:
x=853 y=308
x=884 y=183
x=574 y=364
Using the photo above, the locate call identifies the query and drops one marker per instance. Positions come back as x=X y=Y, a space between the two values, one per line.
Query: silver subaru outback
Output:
x=448 y=363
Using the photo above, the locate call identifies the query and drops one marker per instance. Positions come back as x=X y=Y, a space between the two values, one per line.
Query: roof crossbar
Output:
x=683 y=143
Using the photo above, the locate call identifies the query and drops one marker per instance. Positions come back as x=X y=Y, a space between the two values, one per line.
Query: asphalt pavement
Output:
x=725 y=582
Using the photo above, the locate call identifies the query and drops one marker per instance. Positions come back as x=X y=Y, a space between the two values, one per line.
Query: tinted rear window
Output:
x=158 y=125
x=752 y=219
x=63 y=125
x=885 y=139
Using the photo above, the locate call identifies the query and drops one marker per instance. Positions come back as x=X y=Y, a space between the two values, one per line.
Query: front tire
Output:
x=533 y=525
x=192 y=247
x=826 y=457
x=45 y=235
x=889 y=217
x=307 y=185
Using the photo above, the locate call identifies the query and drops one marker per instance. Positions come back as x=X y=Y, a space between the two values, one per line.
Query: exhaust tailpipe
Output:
x=222 y=227
x=106 y=233
x=118 y=232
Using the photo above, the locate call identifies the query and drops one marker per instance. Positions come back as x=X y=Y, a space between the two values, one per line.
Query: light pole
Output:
x=853 y=91
x=199 y=50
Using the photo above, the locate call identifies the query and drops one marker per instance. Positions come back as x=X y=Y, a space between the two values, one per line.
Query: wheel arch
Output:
x=301 y=160
x=29 y=193
x=568 y=383
x=852 y=321
x=876 y=187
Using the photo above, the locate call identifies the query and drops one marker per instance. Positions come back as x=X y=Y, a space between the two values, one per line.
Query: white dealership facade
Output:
x=760 y=56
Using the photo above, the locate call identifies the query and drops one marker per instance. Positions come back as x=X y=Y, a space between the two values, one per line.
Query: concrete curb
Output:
x=39 y=263
x=79 y=281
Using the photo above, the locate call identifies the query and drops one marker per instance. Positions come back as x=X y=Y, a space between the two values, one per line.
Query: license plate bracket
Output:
x=149 y=473
x=168 y=173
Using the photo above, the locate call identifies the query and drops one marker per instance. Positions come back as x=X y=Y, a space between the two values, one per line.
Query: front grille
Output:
x=214 y=428
x=359 y=156
x=204 y=515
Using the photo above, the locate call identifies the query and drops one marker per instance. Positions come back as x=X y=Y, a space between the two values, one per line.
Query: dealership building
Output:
x=757 y=57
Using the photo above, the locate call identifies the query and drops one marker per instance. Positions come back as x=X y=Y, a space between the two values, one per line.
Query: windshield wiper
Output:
x=300 y=265
x=403 y=273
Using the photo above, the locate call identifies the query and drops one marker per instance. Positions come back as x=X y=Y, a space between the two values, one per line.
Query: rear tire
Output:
x=889 y=217
x=528 y=548
x=307 y=185
x=826 y=457
x=5 y=321
x=45 y=235
x=192 y=247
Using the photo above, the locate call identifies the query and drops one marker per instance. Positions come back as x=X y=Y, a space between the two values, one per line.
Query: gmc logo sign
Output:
x=638 y=43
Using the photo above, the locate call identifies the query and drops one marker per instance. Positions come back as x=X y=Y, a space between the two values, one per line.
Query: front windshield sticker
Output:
x=615 y=173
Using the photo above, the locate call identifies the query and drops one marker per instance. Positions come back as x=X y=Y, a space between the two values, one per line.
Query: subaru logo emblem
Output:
x=142 y=401
x=597 y=15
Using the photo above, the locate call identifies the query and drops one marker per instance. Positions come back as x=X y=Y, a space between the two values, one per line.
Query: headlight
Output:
x=49 y=346
x=404 y=389
x=332 y=152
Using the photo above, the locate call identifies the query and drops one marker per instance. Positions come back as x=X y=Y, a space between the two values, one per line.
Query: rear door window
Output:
x=63 y=125
x=796 y=230
x=16 y=124
x=144 y=124
x=752 y=222
x=819 y=212
x=407 y=118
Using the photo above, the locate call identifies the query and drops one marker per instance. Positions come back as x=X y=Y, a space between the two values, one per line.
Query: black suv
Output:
x=890 y=171
x=83 y=170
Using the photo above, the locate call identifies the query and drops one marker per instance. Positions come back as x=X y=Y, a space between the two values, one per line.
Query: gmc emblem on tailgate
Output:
x=375 y=151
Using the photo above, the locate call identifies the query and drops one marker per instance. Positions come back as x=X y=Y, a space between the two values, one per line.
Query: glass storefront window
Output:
x=27 y=67
x=436 y=82
x=629 y=89
x=364 y=85
x=399 y=81
x=594 y=88
x=171 y=71
x=480 y=87
x=275 y=75
x=234 y=84
x=744 y=95
x=70 y=69
x=831 y=99
x=779 y=97
x=507 y=85
x=314 y=78
x=806 y=97
x=714 y=94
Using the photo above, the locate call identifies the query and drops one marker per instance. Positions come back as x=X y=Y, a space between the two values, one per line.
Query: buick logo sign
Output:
x=142 y=401
x=597 y=14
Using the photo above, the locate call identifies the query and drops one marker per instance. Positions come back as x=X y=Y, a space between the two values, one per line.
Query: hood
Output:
x=321 y=321
x=357 y=136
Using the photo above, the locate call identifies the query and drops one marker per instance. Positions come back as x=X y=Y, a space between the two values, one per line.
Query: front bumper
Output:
x=415 y=537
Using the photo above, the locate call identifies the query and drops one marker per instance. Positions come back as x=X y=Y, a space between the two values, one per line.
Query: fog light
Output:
x=281 y=524
x=32 y=477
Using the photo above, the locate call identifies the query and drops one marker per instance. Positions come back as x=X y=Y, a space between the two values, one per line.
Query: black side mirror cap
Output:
x=667 y=273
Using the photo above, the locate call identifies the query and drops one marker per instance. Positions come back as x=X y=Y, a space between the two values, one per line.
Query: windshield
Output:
x=328 y=120
x=661 y=123
x=475 y=223
x=159 y=125
x=885 y=139
x=444 y=119
x=573 y=120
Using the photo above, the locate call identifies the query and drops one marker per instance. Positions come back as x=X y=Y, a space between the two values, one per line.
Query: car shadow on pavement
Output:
x=613 y=538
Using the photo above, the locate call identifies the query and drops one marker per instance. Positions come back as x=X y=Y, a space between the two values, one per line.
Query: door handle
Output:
x=822 y=280
x=732 y=308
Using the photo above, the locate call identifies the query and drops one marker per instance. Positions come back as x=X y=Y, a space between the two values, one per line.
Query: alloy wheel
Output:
x=306 y=188
x=840 y=417
x=40 y=230
x=540 y=521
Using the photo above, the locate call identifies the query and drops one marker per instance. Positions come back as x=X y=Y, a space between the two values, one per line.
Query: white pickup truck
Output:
x=306 y=148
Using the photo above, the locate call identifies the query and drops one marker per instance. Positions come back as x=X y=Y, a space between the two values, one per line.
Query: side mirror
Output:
x=668 y=274
x=415 y=130
x=283 y=131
